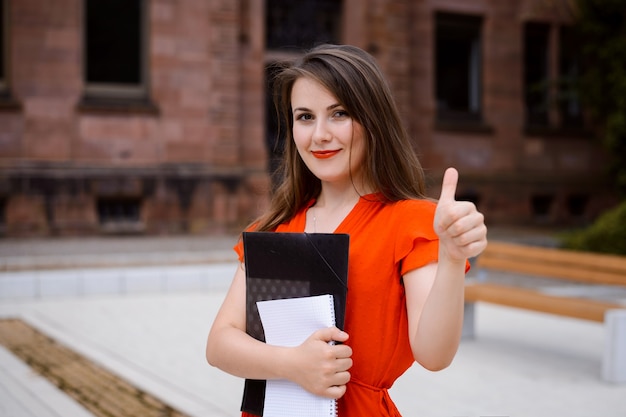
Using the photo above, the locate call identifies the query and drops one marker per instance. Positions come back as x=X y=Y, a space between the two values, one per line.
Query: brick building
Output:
x=152 y=117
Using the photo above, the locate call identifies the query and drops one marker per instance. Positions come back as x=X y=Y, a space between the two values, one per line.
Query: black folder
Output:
x=290 y=265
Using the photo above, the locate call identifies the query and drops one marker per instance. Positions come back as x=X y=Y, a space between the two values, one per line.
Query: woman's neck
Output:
x=331 y=208
x=331 y=199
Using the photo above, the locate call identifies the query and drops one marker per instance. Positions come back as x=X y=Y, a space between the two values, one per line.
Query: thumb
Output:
x=448 y=187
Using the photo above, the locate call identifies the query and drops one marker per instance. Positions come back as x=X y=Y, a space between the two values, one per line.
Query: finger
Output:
x=341 y=378
x=332 y=334
x=448 y=187
x=336 y=391
x=460 y=218
x=468 y=237
x=343 y=364
x=342 y=351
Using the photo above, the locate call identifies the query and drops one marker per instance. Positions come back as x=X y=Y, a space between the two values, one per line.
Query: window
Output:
x=119 y=214
x=7 y=101
x=570 y=109
x=536 y=73
x=3 y=215
x=458 y=67
x=3 y=48
x=577 y=204
x=541 y=205
x=115 y=49
x=302 y=24
x=551 y=75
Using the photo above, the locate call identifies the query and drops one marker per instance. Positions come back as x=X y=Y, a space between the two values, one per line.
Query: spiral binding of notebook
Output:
x=333 y=404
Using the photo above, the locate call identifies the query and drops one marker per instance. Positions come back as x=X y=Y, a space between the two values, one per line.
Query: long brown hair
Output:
x=353 y=76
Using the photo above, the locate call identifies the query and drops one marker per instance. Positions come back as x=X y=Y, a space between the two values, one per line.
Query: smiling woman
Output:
x=324 y=130
x=348 y=168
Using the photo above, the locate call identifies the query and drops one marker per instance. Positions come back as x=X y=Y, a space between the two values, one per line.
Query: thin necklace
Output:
x=314 y=222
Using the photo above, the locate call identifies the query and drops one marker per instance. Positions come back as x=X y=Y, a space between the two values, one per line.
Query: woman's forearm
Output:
x=316 y=365
x=235 y=352
x=439 y=328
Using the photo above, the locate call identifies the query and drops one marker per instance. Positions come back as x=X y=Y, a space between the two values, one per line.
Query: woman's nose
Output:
x=321 y=132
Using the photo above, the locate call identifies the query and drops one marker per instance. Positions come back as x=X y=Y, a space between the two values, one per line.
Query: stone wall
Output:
x=194 y=159
x=192 y=162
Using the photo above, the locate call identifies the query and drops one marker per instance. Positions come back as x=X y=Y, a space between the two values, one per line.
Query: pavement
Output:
x=141 y=307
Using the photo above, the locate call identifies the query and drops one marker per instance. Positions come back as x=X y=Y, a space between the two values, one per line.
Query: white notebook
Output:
x=289 y=322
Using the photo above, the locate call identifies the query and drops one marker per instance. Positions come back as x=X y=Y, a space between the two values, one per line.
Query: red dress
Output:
x=386 y=241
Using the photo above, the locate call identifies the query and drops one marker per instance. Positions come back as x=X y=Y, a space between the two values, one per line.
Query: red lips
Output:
x=324 y=154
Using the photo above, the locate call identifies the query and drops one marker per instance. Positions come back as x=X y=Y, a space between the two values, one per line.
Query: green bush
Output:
x=606 y=235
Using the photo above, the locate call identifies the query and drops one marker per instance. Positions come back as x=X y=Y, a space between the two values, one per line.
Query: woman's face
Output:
x=329 y=141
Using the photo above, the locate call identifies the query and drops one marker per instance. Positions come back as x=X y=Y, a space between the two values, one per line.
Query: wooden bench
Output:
x=515 y=275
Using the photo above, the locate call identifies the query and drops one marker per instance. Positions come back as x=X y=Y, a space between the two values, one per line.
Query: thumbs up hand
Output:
x=461 y=228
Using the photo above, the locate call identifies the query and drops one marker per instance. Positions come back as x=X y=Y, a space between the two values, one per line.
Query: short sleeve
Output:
x=238 y=248
x=416 y=243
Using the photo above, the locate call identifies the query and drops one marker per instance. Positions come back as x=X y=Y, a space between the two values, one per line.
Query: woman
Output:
x=349 y=168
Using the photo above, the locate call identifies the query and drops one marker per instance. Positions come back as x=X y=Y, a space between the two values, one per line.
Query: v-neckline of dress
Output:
x=347 y=218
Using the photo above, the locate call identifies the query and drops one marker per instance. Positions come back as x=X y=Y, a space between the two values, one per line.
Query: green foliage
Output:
x=606 y=235
x=601 y=25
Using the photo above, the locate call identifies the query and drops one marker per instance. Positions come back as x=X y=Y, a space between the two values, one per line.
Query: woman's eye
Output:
x=340 y=114
x=304 y=116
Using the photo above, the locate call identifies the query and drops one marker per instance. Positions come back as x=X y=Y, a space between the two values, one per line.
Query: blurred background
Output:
x=154 y=117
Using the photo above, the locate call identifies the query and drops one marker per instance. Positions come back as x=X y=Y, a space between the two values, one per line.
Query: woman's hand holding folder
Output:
x=319 y=366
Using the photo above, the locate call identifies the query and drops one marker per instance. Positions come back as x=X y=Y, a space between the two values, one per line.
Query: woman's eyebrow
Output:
x=331 y=107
